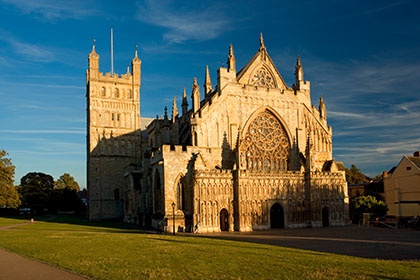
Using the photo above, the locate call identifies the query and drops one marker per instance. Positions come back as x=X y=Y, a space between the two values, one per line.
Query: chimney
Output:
x=416 y=154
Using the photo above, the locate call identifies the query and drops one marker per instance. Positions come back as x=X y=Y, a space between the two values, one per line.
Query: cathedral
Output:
x=248 y=153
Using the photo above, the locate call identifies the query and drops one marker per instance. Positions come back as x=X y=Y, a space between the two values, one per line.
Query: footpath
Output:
x=16 y=267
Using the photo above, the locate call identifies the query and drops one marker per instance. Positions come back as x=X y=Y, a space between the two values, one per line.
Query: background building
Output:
x=402 y=187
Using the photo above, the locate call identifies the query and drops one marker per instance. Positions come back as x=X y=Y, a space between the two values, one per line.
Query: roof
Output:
x=392 y=170
x=415 y=161
x=328 y=164
x=144 y=122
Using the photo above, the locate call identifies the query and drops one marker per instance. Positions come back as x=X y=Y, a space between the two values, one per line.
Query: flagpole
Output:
x=112 y=54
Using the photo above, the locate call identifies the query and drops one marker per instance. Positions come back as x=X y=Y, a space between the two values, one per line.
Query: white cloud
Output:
x=52 y=10
x=183 y=24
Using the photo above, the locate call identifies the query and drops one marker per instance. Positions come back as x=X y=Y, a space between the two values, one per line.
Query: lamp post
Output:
x=173 y=222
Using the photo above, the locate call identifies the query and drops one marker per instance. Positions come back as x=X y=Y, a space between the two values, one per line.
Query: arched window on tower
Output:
x=129 y=95
x=116 y=93
x=103 y=92
x=195 y=140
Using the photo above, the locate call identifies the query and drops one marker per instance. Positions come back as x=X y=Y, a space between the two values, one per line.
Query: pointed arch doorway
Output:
x=224 y=220
x=276 y=216
x=325 y=217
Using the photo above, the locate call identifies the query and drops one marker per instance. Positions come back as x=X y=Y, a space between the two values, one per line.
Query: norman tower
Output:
x=113 y=138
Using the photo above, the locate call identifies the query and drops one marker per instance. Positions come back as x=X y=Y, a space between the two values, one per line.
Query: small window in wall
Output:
x=117 y=194
x=103 y=93
x=129 y=94
x=118 y=117
x=112 y=116
x=116 y=93
x=408 y=168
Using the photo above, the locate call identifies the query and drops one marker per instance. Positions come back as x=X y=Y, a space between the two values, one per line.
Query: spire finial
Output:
x=184 y=103
x=93 y=46
x=231 y=59
x=207 y=82
x=322 y=110
x=207 y=74
x=135 y=55
x=262 y=47
x=298 y=61
x=195 y=96
x=166 y=113
x=174 y=110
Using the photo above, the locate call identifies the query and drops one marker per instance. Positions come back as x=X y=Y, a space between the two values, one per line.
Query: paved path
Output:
x=15 y=267
x=376 y=243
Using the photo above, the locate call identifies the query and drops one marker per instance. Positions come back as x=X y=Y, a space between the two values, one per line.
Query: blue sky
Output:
x=362 y=56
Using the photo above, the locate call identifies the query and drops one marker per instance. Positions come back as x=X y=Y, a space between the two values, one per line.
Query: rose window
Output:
x=265 y=147
x=263 y=78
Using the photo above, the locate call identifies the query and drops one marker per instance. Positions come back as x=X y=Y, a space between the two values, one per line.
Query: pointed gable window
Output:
x=262 y=77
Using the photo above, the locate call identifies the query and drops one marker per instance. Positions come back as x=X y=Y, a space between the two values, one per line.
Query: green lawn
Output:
x=103 y=251
x=11 y=221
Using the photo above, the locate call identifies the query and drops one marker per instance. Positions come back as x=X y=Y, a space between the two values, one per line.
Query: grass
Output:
x=11 y=221
x=104 y=251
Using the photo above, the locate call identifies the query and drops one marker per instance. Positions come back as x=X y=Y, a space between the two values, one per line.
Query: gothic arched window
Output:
x=103 y=92
x=265 y=146
x=180 y=193
x=262 y=77
x=158 y=193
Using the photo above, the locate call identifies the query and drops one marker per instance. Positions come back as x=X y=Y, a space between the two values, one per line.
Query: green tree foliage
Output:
x=36 y=189
x=355 y=176
x=379 y=177
x=9 y=196
x=66 y=181
x=64 y=196
x=367 y=204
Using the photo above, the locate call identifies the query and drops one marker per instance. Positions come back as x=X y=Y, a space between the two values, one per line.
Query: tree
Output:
x=66 y=181
x=367 y=204
x=36 y=189
x=379 y=177
x=9 y=196
x=64 y=196
x=355 y=176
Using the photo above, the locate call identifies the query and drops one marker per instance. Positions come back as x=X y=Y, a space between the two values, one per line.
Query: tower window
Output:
x=103 y=93
x=118 y=117
x=129 y=94
x=117 y=194
x=116 y=93
x=112 y=116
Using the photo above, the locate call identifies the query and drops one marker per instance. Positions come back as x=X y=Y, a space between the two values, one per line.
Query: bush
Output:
x=366 y=204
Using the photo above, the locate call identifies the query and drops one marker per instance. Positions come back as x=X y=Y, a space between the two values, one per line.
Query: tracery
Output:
x=262 y=77
x=265 y=146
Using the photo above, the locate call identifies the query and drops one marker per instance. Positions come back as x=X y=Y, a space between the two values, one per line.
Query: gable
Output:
x=406 y=167
x=261 y=71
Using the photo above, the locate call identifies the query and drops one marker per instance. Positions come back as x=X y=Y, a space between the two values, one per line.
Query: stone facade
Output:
x=249 y=154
